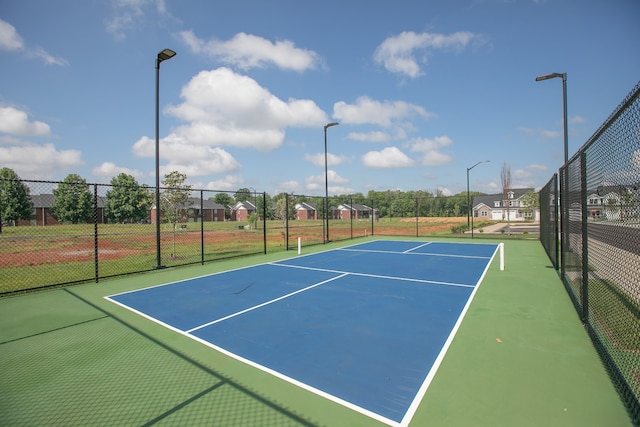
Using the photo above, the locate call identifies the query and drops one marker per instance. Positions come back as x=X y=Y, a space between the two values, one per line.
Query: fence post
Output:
x=373 y=210
x=264 y=220
x=202 y=218
x=286 y=221
x=556 y=227
x=585 y=237
x=95 y=232
x=351 y=216
x=417 y=221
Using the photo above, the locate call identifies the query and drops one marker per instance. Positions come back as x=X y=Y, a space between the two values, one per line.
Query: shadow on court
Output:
x=67 y=362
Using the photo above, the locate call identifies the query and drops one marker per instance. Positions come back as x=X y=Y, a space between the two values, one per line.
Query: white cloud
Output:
x=397 y=53
x=288 y=187
x=109 y=170
x=9 y=38
x=191 y=159
x=249 y=51
x=376 y=136
x=16 y=122
x=332 y=159
x=317 y=183
x=386 y=113
x=226 y=108
x=432 y=150
x=541 y=133
x=390 y=157
x=39 y=161
x=128 y=13
x=577 y=120
x=228 y=183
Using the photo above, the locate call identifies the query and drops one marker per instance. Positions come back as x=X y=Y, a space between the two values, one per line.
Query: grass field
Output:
x=33 y=257
x=521 y=357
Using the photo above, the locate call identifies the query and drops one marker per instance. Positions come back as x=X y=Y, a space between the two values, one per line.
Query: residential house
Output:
x=42 y=215
x=306 y=210
x=495 y=207
x=241 y=211
x=197 y=210
x=354 y=211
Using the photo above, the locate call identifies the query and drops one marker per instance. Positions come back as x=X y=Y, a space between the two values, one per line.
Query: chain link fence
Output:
x=600 y=241
x=58 y=233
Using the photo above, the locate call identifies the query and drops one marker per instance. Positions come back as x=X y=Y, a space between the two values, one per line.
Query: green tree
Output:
x=174 y=201
x=15 y=201
x=73 y=200
x=243 y=194
x=225 y=200
x=530 y=202
x=127 y=200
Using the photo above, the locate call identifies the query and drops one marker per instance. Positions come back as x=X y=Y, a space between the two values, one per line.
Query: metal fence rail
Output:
x=77 y=232
x=600 y=242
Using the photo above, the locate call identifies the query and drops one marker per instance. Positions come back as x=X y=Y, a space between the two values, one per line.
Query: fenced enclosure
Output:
x=599 y=191
x=71 y=232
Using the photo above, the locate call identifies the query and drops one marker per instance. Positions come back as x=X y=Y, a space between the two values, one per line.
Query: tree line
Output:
x=129 y=201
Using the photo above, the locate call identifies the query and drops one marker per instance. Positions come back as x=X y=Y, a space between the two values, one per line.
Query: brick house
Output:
x=42 y=215
x=197 y=210
x=241 y=211
x=306 y=210
x=354 y=211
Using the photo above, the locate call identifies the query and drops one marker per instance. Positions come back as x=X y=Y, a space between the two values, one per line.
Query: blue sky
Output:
x=422 y=89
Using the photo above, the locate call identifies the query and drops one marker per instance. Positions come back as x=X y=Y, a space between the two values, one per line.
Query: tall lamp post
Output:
x=326 y=183
x=162 y=56
x=565 y=185
x=563 y=76
x=469 y=207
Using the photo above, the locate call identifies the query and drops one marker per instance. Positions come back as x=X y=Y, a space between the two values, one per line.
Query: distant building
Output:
x=306 y=210
x=495 y=207
x=241 y=211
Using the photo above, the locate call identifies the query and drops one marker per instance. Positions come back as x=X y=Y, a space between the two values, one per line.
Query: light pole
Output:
x=563 y=213
x=563 y=76
x=469 y=207
x=326 y=183
x=162 y=56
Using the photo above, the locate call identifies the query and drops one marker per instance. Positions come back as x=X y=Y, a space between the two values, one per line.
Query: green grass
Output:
x=521 y=357
x=222 y=240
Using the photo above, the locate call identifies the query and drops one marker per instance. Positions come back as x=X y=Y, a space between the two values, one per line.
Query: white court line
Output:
x=414 y=253
x=417 y=247
x=443 y=351
x=264 y=303
x=378 y=276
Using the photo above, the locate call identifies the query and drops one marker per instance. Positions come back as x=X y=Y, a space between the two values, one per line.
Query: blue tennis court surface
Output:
x=366 y=325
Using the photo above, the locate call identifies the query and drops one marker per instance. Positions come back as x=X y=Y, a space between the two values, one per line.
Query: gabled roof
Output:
x=244 y=205
x=490 y=199
x=354 y=207
x=46 y=200
x=307 y=206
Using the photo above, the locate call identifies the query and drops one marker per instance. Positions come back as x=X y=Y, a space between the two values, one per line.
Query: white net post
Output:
x=501 y=246
x=299 y=245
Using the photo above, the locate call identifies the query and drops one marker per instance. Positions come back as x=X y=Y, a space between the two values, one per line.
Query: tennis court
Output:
x=351 y=336
x=364 y=326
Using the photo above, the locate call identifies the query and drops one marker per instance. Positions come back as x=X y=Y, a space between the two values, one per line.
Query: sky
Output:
x=422 y=90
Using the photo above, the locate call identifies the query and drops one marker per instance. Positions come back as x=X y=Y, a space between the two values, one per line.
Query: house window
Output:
x=484 y=214
x=496 y=204
x=510 y=194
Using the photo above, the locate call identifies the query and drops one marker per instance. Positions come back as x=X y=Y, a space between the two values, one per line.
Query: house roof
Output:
x=354 y=207
x=244 y=205
x=490 y=199
x=46 y=200
x=306 y=206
